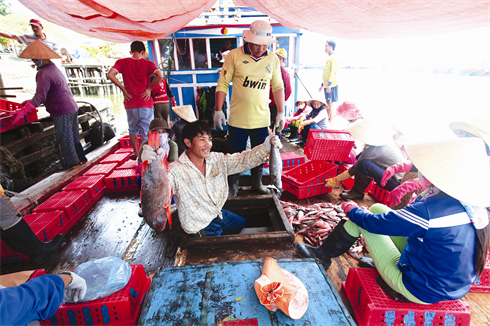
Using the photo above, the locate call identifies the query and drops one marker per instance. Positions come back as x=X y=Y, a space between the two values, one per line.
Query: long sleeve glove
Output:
x=20 y=113
x=394 y=169
x=397 y=194
x=347 y=206
x=333 y=182
x=172 y=100
x=219 y=119
x=75 y=291
x=280 y=120
x=272 y=140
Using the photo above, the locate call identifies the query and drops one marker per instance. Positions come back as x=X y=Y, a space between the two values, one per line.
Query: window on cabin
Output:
x=220 y=46
x=166 y=54
x=283 y=42
x=183 y=54
x=200 y=54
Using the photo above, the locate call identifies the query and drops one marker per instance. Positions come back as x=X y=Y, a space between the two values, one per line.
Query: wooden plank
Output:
x=239 y=240
x=20 y=144
x=36 y=156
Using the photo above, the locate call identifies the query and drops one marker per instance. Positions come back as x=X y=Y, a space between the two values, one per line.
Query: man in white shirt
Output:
x=37 y=29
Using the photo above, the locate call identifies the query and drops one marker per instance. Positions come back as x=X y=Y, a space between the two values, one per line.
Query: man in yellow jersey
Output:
x=330 y=85
x=253 y=70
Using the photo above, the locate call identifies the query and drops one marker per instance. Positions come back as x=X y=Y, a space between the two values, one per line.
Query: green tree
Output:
x=4 y=8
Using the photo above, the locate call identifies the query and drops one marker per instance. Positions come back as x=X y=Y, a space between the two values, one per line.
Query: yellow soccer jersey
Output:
x=249 y=107
x=330 y=71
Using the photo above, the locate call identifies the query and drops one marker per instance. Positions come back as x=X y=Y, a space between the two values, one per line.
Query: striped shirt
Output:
x=199 y=197
x=27 y=39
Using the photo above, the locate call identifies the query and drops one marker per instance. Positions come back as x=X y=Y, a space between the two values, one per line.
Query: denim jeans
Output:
x=230 y=221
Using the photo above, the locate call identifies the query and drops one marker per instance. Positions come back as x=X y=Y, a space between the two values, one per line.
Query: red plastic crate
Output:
x=120 y=308
x=6 y=121
x=124 y=150
x=328 y=145
x=104 y=169
x=349 y=183
x=482 y=284
x=95 y=184
x=290 y=160
x=121 y=180
x=116 y=158
x=9 y=106
x=311 y=173
x=379 y=194
x=45 y=226
x=372 y=306
x=131 y=164
x=73 y=203
x=305 y=191
x=28 y=118
x=125 y=142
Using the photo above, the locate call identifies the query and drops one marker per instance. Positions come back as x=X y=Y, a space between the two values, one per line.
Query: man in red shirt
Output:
x=136 y=72
x=283 y=56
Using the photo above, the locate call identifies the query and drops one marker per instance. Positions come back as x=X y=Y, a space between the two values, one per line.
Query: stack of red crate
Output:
x=482 y=283
x=120 y=308
x=322 y=148
x=125 y=142
x=94 y=184
x=7 y=110
x=372 y=306
x=289 y=160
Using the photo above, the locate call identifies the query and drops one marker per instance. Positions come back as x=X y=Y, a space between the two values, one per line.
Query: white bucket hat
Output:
x=185 y=112
x=260 y=33
x=459 y=167
x=372 y=131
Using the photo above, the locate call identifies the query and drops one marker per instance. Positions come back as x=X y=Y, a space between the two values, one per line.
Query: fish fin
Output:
x=145 y=165
x=154 y=139
x=169 y=214
x=164 y=161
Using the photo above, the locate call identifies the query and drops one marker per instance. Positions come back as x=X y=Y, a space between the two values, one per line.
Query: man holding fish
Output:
x=199 y=180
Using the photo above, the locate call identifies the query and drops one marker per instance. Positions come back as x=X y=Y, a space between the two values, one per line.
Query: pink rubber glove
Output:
x=397 y=194
x=172 y=100
x=392 y=170
x=20 y=113
x=348 y=206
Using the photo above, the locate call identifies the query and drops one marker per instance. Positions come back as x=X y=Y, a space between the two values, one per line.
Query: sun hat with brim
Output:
x=459 y=167
x=185 y=112
x=38 y=50
x=260 y=33
x=158 y=123
x=477 y=128
x=372 y=131
x=348 y=111
x=317 y=97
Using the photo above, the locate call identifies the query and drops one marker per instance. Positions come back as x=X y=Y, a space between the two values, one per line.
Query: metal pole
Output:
x=296 y=74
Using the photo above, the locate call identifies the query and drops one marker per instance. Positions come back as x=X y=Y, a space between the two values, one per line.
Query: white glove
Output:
x=148 y=154
x=274 y=140
x=280 y=121
x=75 y=291
x=219 y=119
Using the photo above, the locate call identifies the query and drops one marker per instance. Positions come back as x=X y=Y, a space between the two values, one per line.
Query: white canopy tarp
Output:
x=123 y=21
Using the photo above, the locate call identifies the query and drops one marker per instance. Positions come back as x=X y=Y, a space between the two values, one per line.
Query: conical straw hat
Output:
x=459 y=167
x=477 y=127
x=38 y=50
x=372 y=131
x=185 y=112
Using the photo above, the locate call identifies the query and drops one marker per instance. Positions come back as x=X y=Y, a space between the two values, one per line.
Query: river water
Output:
x=416 y=100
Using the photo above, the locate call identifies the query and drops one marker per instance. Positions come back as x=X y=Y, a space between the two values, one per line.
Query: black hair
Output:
x=137 y=46
x=482 y=243
x=332 y=44
x=194 y=129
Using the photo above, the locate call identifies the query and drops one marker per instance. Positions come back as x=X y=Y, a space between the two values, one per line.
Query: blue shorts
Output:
x=333 y=96
x=139 y=121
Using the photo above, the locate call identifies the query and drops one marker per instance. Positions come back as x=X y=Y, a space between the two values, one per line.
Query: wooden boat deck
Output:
x=112 y=227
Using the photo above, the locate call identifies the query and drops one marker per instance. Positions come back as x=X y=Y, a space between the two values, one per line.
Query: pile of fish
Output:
x=316 y=221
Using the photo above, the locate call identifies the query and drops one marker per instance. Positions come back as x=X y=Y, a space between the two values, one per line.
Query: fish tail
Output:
x=154 y=139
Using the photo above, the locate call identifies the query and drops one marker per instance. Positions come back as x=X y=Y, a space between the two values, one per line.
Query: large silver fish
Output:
x=275 y=168
x=156 y=193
